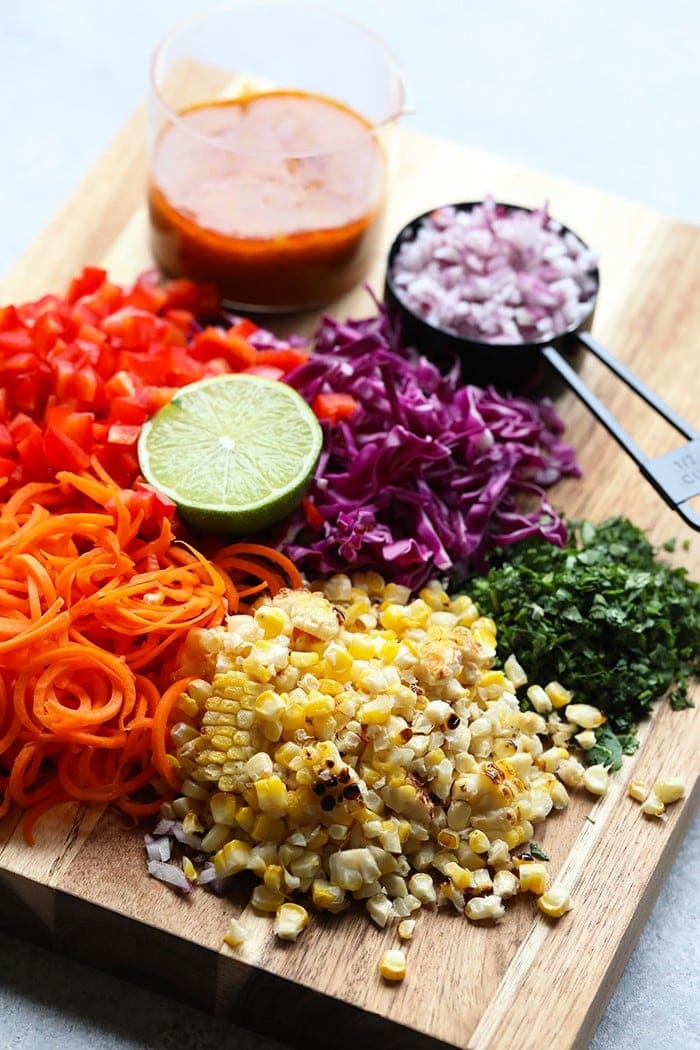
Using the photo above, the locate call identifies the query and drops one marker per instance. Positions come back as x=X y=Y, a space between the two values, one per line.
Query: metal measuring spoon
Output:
x=519 y=366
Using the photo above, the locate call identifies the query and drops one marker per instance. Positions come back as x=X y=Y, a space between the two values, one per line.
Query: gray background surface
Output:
x=604 y=92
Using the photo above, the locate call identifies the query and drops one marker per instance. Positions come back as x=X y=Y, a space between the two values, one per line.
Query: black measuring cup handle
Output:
x=676 y=474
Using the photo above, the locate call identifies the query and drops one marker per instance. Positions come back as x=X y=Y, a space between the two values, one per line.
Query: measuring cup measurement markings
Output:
x=675 y=474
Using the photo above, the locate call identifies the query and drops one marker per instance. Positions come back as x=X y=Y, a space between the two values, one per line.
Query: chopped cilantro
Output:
x=537 y=852
x=605 y=616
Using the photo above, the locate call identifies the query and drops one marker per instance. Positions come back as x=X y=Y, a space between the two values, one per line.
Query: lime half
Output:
x=235 y=453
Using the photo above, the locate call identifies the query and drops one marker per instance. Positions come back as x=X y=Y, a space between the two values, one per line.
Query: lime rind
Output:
x=235 y=453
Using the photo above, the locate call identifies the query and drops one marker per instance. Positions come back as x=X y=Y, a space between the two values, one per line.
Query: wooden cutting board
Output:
x=528 y=982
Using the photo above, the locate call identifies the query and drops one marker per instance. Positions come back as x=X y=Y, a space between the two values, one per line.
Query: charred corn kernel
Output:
x=268 y=828
x=215 y=837
x=533 y=876
x=637 y=790
x=595 y=779
x=271 y=793
x=653 y=806
x=327 y=896
x=380 y=909
x=232 y=858
x=539 y=699
x=505 y=883
x=274 y=878
x=188 y=705
x=448 y=839
x=483 y=635
x=189 y=870
x=406 y=928
x=585 y=715
x=559 y=696
x=392 y=965
x=586 y=740
x=422 y=887
x=290 y=920
x=182 y=732
x=338 y=660
x=481 y=881
x=479 y=841
x=570 y=772
x=286 y=753
x=669 y=789
x=551 y=759
x=514 y=672
x=460 y=877
x=273 y=621
x=191 y=823
x=269 y=704
x=265 y=899
x=481 y=909
x=194 y=790
x=555 y=902
x=259 y=765
x=236 y=934
x=245 y=818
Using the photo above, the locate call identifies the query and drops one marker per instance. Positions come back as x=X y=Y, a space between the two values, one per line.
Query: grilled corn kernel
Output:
x=215 y=837
x=236 y=933
x=405 y=929
x=637 y=790
x=290 y=920
x=232 y=858
x=479 y=841
x=327 y=896
x=422 y=886
x=392 y=965
x=533 y=876
x=380 y=909
x=460 y=877
x=271 y=793
x=551 y=759
x=570 y=772
x=505 y=883
x=539 y=699
x=514 y=672
x=480 y=909
x=669 y=789
x=448 y=839
x=265 y=899
x=555 y=902
x=559 y=696
x=585 y=715
x=595 y=779
x=653 y=806
x=586 y=740
x=189 y=870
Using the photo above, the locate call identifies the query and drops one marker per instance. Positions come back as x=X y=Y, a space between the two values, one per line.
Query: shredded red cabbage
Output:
x=427 y=475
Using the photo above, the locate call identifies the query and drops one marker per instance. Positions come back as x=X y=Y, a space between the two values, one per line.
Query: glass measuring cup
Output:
x=271 y=138
x=518 y=366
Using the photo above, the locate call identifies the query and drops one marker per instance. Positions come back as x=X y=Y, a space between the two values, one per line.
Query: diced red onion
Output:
x=157 y=848
x=193 y=841
x=495 y=275
x=170 y=874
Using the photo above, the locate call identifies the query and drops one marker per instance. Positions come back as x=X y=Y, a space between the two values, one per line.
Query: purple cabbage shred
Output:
x=427 y=475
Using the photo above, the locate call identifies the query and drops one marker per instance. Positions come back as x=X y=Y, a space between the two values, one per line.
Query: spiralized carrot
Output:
x=94 y=617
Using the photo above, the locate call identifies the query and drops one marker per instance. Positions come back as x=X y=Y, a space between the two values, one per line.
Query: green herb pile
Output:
x=605 y=615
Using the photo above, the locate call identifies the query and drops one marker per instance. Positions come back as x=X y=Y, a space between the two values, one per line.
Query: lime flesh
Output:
x=235 y=453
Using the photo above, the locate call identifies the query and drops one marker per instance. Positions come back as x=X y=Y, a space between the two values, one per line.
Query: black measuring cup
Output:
x=518 y=367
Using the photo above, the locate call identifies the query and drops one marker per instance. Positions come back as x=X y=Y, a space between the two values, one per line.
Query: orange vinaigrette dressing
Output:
x=276 y=198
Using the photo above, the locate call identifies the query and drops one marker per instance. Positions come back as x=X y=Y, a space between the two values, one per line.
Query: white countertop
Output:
x=605 y=93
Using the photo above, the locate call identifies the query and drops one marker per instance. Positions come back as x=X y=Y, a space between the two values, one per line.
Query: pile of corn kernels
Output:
x=349 y=743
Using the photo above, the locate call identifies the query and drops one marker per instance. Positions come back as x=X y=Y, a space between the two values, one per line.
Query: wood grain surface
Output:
x=528 y=982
